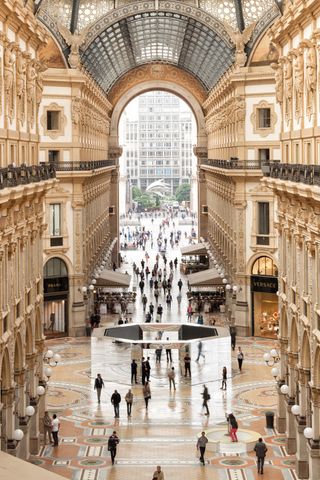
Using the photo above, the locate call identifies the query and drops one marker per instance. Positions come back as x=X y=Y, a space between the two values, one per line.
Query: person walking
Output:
x=168 y=353
x=240 y=358
x=180 y=283
x=261 y=450
x=148 y=369
x=233 y=427
x=233 y=337
x=55 y=427
x=158 y=474
x=141 y=286
x=151 y=309
x=146 y=394
x=187 y=365
x=129 y=400
x=144 y=301
x=113 y=441
x=158 y=354
x=200 y=354
x=115 y=400
x=134 y=368
x=159 y=312
x=189 y=312
x=143 y=371
x=224 y=379
x=206 y=397
x=98 y=384
x=171 y=377
x=201 y=445
x=47 y=428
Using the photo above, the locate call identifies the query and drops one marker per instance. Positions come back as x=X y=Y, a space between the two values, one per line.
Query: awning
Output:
x=109 y=278
x=205 y=277
x=14 y=468
x=197 y=249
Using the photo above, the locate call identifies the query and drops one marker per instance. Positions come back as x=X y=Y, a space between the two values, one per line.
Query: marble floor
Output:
x=166 y=434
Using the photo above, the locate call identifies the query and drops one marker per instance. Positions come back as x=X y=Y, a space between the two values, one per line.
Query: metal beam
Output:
x=239 y=15
x=74 y=15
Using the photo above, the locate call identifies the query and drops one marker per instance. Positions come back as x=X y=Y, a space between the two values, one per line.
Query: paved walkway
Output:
x=167 y=433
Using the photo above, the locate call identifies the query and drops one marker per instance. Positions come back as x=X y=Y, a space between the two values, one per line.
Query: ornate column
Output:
x=202 y=154
x=281 y=410
x=302 y=467
x=291 y=427
x=7 y=429
x=114 y=154
x=313 y=445
x=241 y=306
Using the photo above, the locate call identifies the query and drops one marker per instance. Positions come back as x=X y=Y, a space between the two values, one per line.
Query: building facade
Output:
x=295 y=185
x=158 y=143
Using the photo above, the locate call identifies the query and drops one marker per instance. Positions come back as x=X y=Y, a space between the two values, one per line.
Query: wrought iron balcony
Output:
x=234 y=164
x=294 y=172
x=12 y=176
x=82 y=165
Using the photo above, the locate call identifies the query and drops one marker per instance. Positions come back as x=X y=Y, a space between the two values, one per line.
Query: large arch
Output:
x=157 y=84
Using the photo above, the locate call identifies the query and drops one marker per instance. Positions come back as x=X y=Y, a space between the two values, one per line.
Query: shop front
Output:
x=56 y=292
x=264 y=298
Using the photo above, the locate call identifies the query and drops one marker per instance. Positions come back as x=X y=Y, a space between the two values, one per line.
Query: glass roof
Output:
x=123 y=34
x=157 y=36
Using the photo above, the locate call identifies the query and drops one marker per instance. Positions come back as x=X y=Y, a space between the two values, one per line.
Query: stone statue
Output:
x=278 y=76
x=298 y=78
x=75 y=41
x=40 y=68
x=9 y=61
x=240 y=39
x=76 y=109
x=21 y=67
x=311 y=65
x=287 y=74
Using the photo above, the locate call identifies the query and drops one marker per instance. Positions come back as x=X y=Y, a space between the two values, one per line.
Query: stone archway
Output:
x=6 y=399
x=191 y=92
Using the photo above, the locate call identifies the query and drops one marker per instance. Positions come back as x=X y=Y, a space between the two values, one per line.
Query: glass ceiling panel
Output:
x=254 y=9
x=157 y=36
x=90 y=10
x=222 y=9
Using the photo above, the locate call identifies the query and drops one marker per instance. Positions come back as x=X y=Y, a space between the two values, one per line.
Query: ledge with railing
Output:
x=294 y=172
x=84 y=165
x=12 y=176
x=234 y=164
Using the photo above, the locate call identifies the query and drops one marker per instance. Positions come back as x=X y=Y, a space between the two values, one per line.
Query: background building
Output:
x=158 y=132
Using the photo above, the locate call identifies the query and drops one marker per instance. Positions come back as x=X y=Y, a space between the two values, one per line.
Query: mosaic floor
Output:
x=167 y=433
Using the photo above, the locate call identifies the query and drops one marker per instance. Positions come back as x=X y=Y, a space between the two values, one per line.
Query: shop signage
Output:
x=264 y=283
x=58 y=284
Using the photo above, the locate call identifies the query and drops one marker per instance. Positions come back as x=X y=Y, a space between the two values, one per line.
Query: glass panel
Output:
x=254 y=9
x=264 y=266
x=55 y=220
x=55 y=267
x=224 y=10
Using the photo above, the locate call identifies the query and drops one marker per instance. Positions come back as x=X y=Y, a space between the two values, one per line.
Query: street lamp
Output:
x=271 y=358
x=40 y=390
x=296 y=410
x=284 y=389
x=18 y=435
x=308 y=433
x=30 y=411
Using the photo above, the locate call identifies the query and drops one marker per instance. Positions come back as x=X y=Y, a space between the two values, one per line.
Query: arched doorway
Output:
x=157 y=132
x=56 y=292
x=264 y=299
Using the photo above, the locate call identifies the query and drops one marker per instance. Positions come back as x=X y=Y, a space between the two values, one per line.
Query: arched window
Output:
x=264 y=266
x=55 y=267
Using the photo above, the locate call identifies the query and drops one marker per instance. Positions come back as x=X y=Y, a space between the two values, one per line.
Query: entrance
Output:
x=56 y=291
x=264 y=287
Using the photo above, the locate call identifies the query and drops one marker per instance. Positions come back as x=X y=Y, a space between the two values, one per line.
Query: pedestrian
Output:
x=171 y=377
x=200 y=319
x=158 y=354
x=240 y=358
x=168 y=353
x=158 y=474
x=156 y=294
x=143 y=370
x=180 y=283
x=233 y=427
x=144 y=301
x=200 y=354
x=187 y=364
x=151 y=309
x=261 y=450
x=47 y=428
x=146 y=394
x=206 y=397
x=201 y=445
x=224 y=379
x=113 y=441
x=55 y=427
x=148 y=369
x=179 y=298
x=115 y=400
x=141 y=286
x=175 y=262
x=129 y=399
x=233 y=336
x=189 y=312
x=160 y=311
x=98 y=384
x=134 y=368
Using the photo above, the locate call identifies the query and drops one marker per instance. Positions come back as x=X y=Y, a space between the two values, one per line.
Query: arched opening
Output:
x=6 y=383
x=283 y=323
x=265 y=306
x=56 y=292
x=157 y=131
x=316 y=369
x=293 y=336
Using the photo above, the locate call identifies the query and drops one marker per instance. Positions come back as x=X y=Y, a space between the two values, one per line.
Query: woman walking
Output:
x=146 y=394
x=206 y=397
x=233 y=427
x=224 y=379
x=240 y=358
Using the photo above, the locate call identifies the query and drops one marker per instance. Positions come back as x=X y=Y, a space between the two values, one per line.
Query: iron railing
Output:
x=297 y=172
x=12 y=176
x=82 y=165
x=234 y=164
